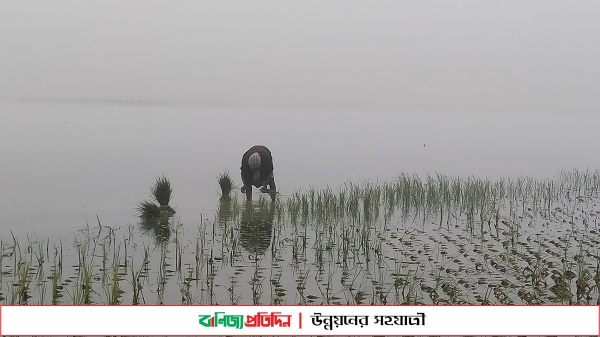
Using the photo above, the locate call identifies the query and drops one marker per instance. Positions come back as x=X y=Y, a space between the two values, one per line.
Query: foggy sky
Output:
x=441 y=55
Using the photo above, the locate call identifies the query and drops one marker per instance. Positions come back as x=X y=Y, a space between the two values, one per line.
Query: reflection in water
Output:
x=256 y=226
x=225 y=209
x=155 y=220
x=158 y=226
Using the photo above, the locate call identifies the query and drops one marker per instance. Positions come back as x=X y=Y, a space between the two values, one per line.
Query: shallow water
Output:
x=63 y=164
x=71 y=166
x=312 y=250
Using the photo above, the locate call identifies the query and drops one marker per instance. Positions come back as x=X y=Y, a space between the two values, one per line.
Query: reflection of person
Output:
x=256 y=228
x=257 y=170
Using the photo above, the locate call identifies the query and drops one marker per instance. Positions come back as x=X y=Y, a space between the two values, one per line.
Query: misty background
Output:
x=412 y=55
x=97 y=99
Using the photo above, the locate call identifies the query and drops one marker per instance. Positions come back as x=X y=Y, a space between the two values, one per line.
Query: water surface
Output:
x=65 y=163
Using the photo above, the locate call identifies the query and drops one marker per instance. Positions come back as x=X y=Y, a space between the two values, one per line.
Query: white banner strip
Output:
x=261 y=320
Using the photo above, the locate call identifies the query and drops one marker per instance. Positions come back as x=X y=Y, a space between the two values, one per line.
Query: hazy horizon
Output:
x=402 y=55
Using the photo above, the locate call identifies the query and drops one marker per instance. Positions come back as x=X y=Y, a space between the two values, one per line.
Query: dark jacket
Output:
x=266 y=166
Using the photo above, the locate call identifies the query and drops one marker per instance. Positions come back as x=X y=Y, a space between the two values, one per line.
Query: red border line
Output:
x=300 y=313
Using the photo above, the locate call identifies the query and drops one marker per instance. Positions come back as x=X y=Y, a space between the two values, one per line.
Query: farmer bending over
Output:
x=257 y=170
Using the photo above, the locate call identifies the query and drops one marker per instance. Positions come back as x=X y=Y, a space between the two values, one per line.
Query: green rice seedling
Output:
x=106 y=244
x=327 y=293
x=305 y=207
x=411 y=295
x=583 y=278
x=345 y=246
x=114 y=291
x=311 y=194
x=370 y=203
x=431 y=195
x=178 y=249
x=235 y=210
x=256 y=285
x=561 y=288
x=451 y=289
x=82 y=294
x=162 y=191
x=301 y=285
x=39 y=254
x=136 y=285
x=360 y=297
x=280 y=211
x=1 y=262
x=277 y=292
x=418 y=194
x=233 y=297
x=198 y=256
x=293 y=208
x=365 y=242
x=56 y=275
x=210 y=277
x=23 y=281
x=16 y=253
x=41 y=290
x=226 y=184
x=185 y=283
x=354 y=204
x=319 y=253
x=162 y=274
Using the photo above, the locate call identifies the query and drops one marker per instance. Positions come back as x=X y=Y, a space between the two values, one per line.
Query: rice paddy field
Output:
x=412 y=240
x=89 y=231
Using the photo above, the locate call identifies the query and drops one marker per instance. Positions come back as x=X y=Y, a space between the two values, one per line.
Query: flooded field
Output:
x=422 y=155
x=434 y=239
x=502 y=225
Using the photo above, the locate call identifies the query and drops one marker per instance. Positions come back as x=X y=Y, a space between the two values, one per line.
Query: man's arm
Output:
x=247 y=188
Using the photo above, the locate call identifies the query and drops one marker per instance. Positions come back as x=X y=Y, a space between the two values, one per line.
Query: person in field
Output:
x=257 y=171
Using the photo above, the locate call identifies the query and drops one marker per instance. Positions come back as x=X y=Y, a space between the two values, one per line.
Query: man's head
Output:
x=254 y=163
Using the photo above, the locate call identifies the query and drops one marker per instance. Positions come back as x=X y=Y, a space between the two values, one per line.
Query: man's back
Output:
x=266 y=164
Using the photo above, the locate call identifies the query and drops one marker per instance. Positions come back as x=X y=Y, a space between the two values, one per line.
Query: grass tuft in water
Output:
x=148 y=210
x=226 y=184
x=162 y=191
